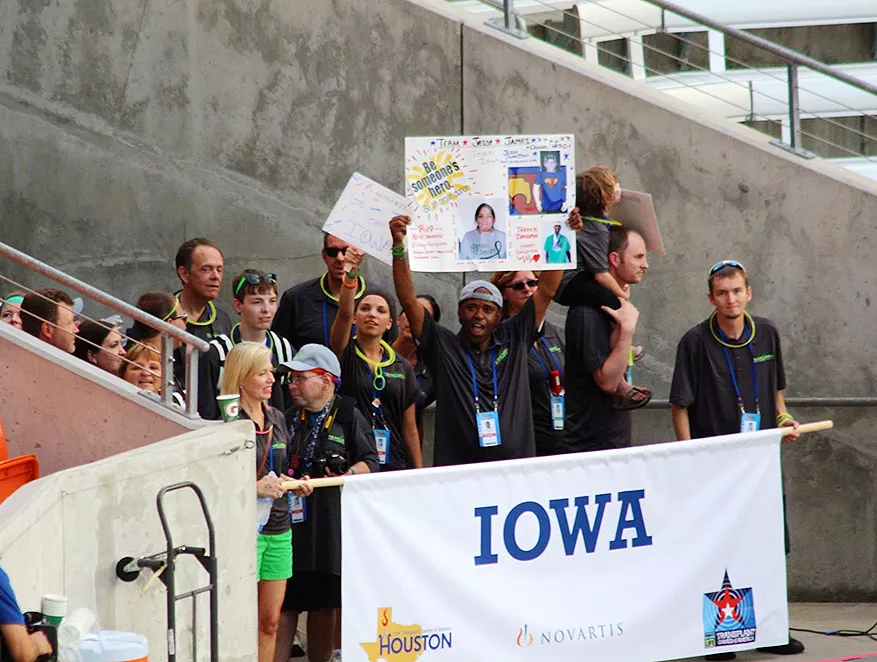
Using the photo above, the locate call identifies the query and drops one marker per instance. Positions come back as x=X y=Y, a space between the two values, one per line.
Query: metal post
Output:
x=794 y=107
x=192 y=382
x=167 y=368
x=508 y=13
x=509 y=20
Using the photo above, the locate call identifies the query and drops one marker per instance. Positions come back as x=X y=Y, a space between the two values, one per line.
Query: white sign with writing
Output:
x=641 y=554
x=489 y=203
x=361 y=217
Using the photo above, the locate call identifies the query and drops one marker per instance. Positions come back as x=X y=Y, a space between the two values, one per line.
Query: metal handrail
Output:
x=792 y=59
x=168 y=330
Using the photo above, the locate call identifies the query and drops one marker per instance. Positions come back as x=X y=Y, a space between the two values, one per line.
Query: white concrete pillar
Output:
x=716 y=45
x=637 y=56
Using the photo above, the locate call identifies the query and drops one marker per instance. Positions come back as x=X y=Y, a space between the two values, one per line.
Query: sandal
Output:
x=630 y=401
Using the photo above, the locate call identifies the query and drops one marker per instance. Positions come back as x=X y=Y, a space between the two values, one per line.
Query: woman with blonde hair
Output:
x=250 y=373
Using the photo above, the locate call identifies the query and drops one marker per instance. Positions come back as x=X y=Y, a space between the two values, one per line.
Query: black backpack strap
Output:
x=341 y=412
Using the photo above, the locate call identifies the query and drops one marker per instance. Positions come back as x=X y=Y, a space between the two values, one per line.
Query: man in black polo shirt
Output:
x=729 y=378
x=483 y=407
x=307 y=310
x=594 y=367
x=199 y=267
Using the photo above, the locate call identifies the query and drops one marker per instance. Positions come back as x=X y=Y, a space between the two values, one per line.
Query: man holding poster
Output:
x=482 y=385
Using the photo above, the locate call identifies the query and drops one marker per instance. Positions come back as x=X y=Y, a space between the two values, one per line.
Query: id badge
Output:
x=488 y=429
x=750 y=422
x=382 y=441
x=558 y=411
x=296 y=508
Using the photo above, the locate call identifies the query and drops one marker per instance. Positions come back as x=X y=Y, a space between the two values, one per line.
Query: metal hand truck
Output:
x=163 y=565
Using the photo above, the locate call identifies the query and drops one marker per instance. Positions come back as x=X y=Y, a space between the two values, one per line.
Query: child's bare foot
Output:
x=634 y=398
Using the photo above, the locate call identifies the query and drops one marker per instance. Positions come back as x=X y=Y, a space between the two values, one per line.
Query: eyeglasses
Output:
x=727 y=263
x=521 y=284
x=298 y=379
x=181 y=316
x=332 y=251
x=255 y=279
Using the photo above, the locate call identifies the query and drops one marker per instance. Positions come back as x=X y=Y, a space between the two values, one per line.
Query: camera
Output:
x=333 y=462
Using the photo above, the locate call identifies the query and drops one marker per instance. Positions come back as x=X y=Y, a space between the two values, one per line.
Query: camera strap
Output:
x=341 y=413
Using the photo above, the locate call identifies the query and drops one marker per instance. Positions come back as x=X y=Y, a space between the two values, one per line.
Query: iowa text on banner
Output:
x=636 y=555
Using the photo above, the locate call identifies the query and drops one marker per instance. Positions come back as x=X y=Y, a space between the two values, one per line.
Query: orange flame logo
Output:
x=524 y=637
x=384 y=618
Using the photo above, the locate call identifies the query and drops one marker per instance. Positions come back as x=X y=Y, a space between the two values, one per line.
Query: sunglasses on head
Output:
x=521 y=284
x=332 y=251
x=255 y=279
x=727 y=263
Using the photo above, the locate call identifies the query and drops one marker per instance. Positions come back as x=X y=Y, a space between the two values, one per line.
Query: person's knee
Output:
x=268 y=623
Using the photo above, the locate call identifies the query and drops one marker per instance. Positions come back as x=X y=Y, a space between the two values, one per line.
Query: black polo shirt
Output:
x=212 y=323
x=316 y=542
x=592 y=423
x=456 y=433
x=543 y=354
x=305 y=314
x=425 y=394
x=399 y=392
x=702 y=381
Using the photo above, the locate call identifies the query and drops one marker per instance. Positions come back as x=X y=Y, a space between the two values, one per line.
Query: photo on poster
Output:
x=538 y=189
x=558 y=243
x=482 y=228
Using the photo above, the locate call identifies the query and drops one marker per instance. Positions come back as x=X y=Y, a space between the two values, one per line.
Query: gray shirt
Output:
x=483 y=246
x=592 y=253
x=456 y=432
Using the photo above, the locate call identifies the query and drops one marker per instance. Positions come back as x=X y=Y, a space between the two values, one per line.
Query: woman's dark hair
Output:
x=157 y=304
x=90 y=334
x=436 y=311
x=480 y=207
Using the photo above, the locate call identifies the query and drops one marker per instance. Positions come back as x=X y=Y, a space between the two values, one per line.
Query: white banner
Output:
x=637 y=555
x=361 y=217
x=490 y=203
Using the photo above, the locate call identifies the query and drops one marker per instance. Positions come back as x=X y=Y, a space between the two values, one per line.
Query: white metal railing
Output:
x=168 y=332
x=802 y=89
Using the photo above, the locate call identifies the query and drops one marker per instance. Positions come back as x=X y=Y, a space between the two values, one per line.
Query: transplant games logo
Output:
x=396 y=642
x=728 y=616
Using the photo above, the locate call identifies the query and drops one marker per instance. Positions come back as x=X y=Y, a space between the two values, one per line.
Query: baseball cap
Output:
x=314 y=357
x=470 y=292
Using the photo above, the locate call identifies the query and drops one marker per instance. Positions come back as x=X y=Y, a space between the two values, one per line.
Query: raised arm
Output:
x=549 y=280
x=339 y=335
x=402 y=276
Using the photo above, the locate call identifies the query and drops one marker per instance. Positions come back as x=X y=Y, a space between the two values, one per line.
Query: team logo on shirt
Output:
x=761 y=358
x=503 y=353
x=728 y=616
x=394 y=375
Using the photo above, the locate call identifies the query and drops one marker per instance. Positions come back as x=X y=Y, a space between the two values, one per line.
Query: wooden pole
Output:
x=337 y=481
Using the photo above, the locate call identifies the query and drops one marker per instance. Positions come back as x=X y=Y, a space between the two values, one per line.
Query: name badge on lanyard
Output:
x=382 y=441
x=297 y=507
x=554 y=381
x=749 y=422
x=487 y=422
x=558 y=411
x=488 y=429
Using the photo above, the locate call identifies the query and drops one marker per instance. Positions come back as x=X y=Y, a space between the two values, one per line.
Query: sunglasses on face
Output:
x=521 y=284
x=332 y=251
x=255 y=279
x=727 y=263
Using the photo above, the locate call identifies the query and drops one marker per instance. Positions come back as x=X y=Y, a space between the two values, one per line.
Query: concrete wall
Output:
x=68 y=412
x=66 y=532
x=127 y=126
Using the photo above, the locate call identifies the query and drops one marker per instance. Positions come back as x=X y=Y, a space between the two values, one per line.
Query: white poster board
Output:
x=361 y=217
x=490 y=203
x=635 y=555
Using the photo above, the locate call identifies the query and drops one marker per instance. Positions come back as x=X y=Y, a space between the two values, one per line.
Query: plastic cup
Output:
x=54 y=608
x=229 y=406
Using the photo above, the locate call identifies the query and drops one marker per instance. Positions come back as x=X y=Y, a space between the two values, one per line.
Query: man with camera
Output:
x=330 y=437
x=15 y=641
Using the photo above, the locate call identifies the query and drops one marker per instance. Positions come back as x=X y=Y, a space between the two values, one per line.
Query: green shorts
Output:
x=274 y=556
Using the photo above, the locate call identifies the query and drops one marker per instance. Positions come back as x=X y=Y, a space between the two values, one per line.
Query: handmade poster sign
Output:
x=636 y=210
x=361 y=217
x=490 y=203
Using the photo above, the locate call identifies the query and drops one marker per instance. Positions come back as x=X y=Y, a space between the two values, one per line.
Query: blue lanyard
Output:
x=734 y=376
x=545 y=365
x=475 y=382
x=325 y=324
